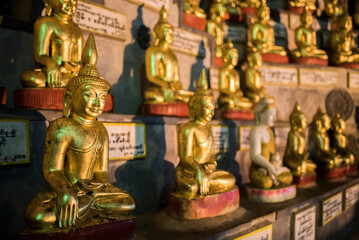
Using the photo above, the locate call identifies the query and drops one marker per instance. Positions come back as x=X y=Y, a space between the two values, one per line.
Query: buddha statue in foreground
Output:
x=58 y=43
x=192 y=7
x=162 y=67
x=196 y=175
x=231 y=96
x=75 y=164
x=266 y=170
x=296 y=153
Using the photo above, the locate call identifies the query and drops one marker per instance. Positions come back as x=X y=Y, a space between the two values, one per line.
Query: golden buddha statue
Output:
x=333 y=8
x=58 y=43
x=324 y=154
x=302 y=4
x=253 y=88
x=196 y=174
x=250 y=3
x=192 y=7
x=344 y=48
x=266 y=170
x=339 y=140
x=231 y=96
x=305 y=38
x=75 y=164
x=296 y=153
x=232 y=7
x=261 y=34
x=162 y=67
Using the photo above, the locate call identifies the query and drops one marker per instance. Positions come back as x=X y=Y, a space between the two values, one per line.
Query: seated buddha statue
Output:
x=75 y=164
x=232 y=7
x=266 y=170
x=344 y=48
x=192 y=7
x=231 y=96
x=300 y=4
x=162 y=67
x=296 y=153
x=58 y=43
x=325 y=156
x=339 y=140
x=333 y=8
x=249 y=4
x=306 y=40
x=253 y=87
x=196 y=175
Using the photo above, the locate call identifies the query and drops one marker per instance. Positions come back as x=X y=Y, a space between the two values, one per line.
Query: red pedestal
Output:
x=349 y=65
x=248 y=11
x=273 y=195
x=218 y=61
x=203 y=207
x=237 y=115
x=274 y=58
x=311 y=61
x=179 y=109
x=352 y=169
x=112 y=230
x=305 y=181
x=194 y=21
x=47 y=98
x=334 y=173
x=298 y=10
x=3 y=96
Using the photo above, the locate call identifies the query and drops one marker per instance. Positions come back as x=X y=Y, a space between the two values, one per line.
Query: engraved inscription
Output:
x=244 y=135
x=351 y=196
x=304 y=225
x=187 y=42
x=331 y=208
x=236 y=33
x=353 y=80
x=220 y=139
x=279 y=75
x=317 y=77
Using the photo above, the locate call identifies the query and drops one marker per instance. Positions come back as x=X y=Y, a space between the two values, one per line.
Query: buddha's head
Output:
x=265 y=112
x=163 y=30
x=254 y=58
x=86 y=93
x=230 y=54
x=201 y=105
x=263 y=12
x=298 y=120
x=306 y=18
x=345 y=22
x=62 y=7
x=338 y=124
x=217 y=10
x=321 y=121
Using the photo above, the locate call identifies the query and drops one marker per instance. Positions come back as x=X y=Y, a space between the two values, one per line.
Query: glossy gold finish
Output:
x=296 y=153
x=266 y=170
x=231 y=96
x=58 y=43
x=250 y=3
x=75 y=164
x=192 y=7
x=333 y=8
x=261 y=34
x=344 y=48
x=162 y=67
x=196 y=175
x=305 y=38
x=232 y=6
x=303 y=3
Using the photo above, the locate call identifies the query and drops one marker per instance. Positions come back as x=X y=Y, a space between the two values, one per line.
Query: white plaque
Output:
x=101 y=20
x=220 y=138
x=316 y=77
x=244 y=136
x=332 y=207
x=351 y=196
x=264 y=233
x=14 y=141
x=187 y=42
x=154 y=4
x=353 y=80
x=281 y=134
x=126 y=140
x=236 y=33
x=214 y=78
x=279 y=75
x=304 y=224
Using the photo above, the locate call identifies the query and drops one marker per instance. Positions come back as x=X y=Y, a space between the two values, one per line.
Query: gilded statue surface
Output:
x=296 y=153
x=306 y=39
x=58 y=43
x=232 y=6
x=333 y=8
x=344 y=48
x=249 y=3
x=192 y=7
x=231 y=96
x=197 y=174
x=266 y=170
x=75 y=164
x=303 y=3
x=162 y=67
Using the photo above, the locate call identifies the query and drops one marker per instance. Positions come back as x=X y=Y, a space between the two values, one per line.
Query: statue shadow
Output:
x=126 y=91
x=197 y=67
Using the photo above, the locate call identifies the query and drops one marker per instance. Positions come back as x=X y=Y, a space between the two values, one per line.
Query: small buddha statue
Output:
x=305 y=38
x=302 y=3
x=324 y=154
x=231 y=96
x=296 y=153
x=253 y=88
x=196 y=175
x=249 y=3
x=192 y=7
x=339 y=140
x=232 y=7
x=58 y=43
x=333 y=8
x=344 y=48
x=75 y=164
x=266 y=170
x=162 y=67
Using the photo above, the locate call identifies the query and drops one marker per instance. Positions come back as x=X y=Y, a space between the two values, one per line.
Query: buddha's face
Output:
x=264 y=14
x=205 y=111
x=231 y=58
x=307 y=20
x=339 y=125
x=67 y=7
x=89 y=100
x=326 y=122
x=268 y=117
x=301 y=122
x=165 y=34
x=348 y=25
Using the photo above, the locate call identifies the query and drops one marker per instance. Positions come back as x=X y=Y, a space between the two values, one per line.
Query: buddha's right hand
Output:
x=67 y=206
x=53 y=76
x=203 y=181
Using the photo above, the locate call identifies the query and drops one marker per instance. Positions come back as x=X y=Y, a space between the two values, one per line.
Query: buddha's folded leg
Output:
x=285 y=177
x=186 y=184
x=295 y=165
x=259 y=179
x=40 y=212
x=154 y=95
x=33 y=78
x=221 y=181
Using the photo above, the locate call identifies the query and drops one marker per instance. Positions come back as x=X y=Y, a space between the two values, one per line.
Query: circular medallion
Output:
x=339 y=101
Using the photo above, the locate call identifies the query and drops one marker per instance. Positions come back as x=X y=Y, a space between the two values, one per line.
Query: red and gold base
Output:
x=332 y=173
x=3 y=96
x=248 y=11
x=113 y=230
x=203 y=207
x=352 y=169
x=237 y=115
x=47 y=98
x=194 y=21
x=349 y=65
x=272 y=195
x=311 y=61
x=218 y=61
x=179 y=109
x=274 y=58
x=306 y=180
